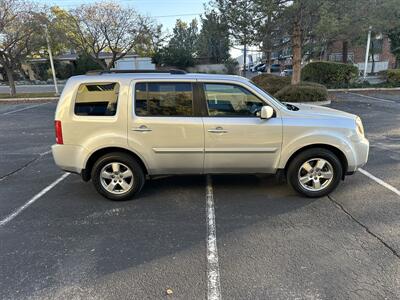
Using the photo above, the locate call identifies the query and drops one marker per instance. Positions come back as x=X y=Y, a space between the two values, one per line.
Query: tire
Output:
x=118 y=176
x=312 y=166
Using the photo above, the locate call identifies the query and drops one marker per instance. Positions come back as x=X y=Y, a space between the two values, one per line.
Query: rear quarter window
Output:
x=97 y=99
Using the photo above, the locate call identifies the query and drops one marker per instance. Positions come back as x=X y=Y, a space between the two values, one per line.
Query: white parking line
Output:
x=380 y=181
x=373 y=98
x=25 y=108
x=213 y=283
x=32 y=200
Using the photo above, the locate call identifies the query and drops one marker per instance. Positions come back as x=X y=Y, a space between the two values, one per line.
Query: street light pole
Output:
x=51 y=61
x=367 y=52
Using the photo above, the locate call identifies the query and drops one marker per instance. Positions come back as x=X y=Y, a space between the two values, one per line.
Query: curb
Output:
x=27 y=100
x=364 y=89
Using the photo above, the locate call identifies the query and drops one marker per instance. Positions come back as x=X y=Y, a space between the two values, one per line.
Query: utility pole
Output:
x=367 y=52
x=51 y=60
x=244 y=60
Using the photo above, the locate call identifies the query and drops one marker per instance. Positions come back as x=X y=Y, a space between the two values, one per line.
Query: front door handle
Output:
x=218 y=130
x=142 y=128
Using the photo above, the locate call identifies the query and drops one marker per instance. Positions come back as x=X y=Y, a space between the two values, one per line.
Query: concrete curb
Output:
x=27 y=100
x=364 y=89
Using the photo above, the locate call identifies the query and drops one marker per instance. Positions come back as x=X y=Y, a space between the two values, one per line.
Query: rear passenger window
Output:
x=98 y=99
x=164 y=99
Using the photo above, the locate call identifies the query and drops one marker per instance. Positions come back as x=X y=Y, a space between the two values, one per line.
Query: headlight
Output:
x=359 y=127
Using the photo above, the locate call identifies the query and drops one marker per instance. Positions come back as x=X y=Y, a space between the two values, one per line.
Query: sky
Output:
x=165 y=12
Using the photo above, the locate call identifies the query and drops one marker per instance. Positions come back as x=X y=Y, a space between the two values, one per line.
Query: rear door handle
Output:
x=142 y=128
x=217 y=130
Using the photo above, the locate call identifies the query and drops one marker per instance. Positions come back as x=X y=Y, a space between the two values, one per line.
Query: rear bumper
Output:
x=70 y=158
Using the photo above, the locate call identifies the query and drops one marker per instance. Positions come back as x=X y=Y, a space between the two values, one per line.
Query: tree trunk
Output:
x=372 y=53
x=11 y=82
x=269 y=61
x=296 y=48
x=345 y=51
x=244 y=60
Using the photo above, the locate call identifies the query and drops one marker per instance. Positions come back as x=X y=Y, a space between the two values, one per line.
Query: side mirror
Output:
x=266 y=112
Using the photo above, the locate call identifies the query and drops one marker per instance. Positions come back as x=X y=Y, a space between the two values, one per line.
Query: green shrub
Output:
x=64 y=70
x=41 y=70
x=331 y=74
x=271 y=83
x=85 y=64
x=232 y=66
x=308 y=92
x=393 y=76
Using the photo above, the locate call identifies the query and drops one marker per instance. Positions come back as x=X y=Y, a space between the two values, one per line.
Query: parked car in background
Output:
x=275 y=68
x=256 y=67
x=288 y=70
x=119 y=129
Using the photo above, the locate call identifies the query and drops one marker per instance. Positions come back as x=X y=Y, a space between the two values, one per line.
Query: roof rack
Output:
x=172 y=71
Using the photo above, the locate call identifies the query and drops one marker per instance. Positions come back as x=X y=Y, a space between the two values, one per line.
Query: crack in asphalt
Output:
x=343 y=209
x=24 y=166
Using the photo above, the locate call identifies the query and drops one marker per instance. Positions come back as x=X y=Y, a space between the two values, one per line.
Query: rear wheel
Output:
x=117 y=176
x=315 y=172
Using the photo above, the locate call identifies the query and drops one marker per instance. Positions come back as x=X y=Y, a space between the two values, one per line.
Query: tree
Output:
x=181 y=49
x=243 y=20
x=394 y=36
x=349 y=21
x=269 y=32
x=20 y=35
x=107 y=27
x=213 y=41
x=297 y=19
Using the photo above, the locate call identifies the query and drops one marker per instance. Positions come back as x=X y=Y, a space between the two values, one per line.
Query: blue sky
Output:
x=164 y=11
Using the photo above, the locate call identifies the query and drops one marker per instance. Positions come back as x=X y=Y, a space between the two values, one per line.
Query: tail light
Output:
x=59 y=137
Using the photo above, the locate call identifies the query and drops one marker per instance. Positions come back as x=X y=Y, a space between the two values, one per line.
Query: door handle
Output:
x=142 y=128
x=217 y=130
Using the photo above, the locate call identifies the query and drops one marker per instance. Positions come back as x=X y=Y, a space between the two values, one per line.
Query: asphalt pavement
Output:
x=70 y=243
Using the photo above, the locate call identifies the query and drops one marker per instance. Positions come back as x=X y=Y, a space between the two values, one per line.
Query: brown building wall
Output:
x=357 y=53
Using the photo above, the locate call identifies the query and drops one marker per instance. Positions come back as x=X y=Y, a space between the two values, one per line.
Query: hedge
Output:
x=393 y=76
x=304 y=92
x=331 y=74
x=271 y=83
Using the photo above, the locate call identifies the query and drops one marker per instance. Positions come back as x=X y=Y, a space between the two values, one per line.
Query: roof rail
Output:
x=172 y=71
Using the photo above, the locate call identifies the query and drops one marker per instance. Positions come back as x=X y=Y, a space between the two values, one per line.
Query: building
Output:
x=380 y=48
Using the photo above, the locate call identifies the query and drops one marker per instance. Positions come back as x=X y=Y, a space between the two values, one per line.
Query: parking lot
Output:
x=60 y=240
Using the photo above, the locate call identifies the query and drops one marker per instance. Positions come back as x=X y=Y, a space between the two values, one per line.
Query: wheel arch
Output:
x=86 y=172
x=339 y=153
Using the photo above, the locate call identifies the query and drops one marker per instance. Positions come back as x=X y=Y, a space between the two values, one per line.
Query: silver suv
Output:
x=118 y=129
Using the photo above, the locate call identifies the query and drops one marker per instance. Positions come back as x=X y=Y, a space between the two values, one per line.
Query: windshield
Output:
x=267 y=95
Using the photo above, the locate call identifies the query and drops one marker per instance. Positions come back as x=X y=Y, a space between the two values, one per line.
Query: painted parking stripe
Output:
x=373 y=98
x=32 y=200
x=380 y=181
x=213 y=283
x=25 y=108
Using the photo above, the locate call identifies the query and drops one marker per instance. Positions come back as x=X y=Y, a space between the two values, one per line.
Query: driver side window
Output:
x=226 y=100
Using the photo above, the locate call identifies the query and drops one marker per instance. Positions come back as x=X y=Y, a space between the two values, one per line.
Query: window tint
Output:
x=226 y=100
x=164 y=99
x=98 y=99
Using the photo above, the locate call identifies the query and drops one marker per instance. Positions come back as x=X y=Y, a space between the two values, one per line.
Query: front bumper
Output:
x=69 y=158
x=361 y=151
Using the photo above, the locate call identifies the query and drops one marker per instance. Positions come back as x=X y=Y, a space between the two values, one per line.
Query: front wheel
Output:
x=315 y=172
x=117 y=176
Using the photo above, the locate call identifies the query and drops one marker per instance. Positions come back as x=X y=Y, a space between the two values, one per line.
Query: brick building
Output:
x=384 y=59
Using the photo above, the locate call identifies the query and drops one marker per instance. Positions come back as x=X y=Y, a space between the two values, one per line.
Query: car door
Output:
x=236 y=138
x=165 y=128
